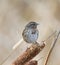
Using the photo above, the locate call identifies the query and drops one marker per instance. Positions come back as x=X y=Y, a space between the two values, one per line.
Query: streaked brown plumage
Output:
x=30 y=33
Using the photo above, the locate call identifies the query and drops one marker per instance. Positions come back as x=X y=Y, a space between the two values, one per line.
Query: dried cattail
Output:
x=30 y=53
x=33 y=62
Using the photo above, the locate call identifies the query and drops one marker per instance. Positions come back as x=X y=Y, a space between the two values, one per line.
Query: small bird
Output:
x=30 y=33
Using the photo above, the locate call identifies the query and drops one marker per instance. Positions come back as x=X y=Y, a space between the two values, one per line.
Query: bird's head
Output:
x=32 y=25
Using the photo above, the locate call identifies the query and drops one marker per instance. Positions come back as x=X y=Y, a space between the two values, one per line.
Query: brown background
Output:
x=15 y=14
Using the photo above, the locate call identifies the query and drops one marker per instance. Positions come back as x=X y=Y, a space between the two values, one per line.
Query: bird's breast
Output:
x=32 y=36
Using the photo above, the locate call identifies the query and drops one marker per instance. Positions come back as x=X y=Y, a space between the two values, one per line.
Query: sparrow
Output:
x=30 y=33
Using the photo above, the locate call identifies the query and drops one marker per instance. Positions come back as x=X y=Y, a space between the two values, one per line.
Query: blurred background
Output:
x=15 y=14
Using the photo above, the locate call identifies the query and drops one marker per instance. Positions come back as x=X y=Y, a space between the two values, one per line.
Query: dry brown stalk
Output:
x=54 y=42
x=33 y=62
x=30 y=53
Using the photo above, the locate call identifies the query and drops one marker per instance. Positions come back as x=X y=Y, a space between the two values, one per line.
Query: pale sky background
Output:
x=15 y=14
